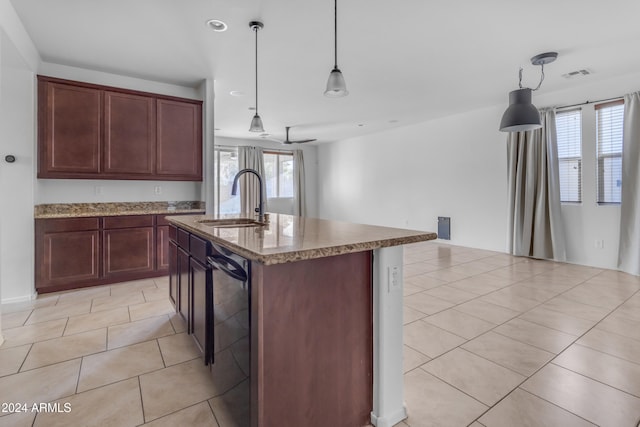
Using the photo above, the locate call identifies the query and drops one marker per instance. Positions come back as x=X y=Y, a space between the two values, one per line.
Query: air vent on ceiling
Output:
x=576 y=73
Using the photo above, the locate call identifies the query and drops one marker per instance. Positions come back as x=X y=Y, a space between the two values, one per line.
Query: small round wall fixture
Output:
x=10 y=158
x=216 y=25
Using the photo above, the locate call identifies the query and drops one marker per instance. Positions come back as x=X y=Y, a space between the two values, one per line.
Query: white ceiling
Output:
x=403 y=61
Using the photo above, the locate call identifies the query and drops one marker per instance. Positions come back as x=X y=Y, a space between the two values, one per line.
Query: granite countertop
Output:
x=290 y=238
x=78 y=210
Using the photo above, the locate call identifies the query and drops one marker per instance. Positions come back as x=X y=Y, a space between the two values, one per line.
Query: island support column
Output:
x=388 y=396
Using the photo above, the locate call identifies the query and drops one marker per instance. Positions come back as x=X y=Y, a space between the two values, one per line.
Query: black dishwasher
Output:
x=231 y=322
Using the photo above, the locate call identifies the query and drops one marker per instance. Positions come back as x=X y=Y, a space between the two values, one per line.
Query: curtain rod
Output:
x=280 y=150
x=590 y=102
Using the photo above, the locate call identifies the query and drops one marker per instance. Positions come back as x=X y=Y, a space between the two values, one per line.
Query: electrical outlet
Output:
x=157 y=189
x=394 y=278
x=98 y=190
x=599 y=244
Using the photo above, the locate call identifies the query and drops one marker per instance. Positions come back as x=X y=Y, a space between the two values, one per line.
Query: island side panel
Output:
x=312 y=342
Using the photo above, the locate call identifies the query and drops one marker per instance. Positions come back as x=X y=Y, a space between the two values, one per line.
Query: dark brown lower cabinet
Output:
x=183 y=286
x=79 y=252
x=200 y=314
x=162 y=247
x=173 y=272
x=191 y=287
x=67 y=251
x=129 y=246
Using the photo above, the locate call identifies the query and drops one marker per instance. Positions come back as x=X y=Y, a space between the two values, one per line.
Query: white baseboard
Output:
x=23 y=298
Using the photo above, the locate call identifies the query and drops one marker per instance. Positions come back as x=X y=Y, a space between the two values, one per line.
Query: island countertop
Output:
x=288 y=238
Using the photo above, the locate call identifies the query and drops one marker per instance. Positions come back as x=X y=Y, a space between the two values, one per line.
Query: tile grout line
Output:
x=551 y=362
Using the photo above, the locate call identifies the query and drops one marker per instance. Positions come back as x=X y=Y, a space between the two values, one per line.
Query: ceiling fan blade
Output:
x=302 y=141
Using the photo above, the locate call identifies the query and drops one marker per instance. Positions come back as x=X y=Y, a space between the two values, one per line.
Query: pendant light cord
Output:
x=541 y=77
x=335 y=33
x=256 y=31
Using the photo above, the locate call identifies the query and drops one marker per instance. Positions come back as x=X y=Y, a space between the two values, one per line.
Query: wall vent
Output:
x=577 y=73
x=444 y=227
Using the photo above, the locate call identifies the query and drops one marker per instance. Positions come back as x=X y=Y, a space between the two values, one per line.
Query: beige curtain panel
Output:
x=535 y=221
x=299 y=200
x=629 y=247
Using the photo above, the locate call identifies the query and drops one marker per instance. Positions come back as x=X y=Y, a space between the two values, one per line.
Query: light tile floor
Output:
x=490 y=340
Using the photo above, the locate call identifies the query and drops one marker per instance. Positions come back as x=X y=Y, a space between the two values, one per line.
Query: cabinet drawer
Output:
x=199 y=249
x=57 y=225
x=130 y=221
x=183 y=239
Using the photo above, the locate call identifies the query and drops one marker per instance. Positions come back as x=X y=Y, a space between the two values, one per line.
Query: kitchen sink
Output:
x=231 y=222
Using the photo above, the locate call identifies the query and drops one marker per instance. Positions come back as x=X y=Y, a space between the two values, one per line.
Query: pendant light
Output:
x=336 y=87
x=256 y=122
x=522 y=115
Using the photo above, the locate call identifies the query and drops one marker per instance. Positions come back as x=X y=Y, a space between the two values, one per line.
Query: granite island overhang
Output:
x=326 y=317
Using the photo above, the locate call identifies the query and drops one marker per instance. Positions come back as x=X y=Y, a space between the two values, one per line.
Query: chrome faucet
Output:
x=234 y=191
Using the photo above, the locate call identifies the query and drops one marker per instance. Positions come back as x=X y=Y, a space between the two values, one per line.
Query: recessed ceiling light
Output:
x=217 y=129
x=393 y=121
x=252 y=108
x=265 y=135
x=236 y=93
x=360 y=124
x=217 y=25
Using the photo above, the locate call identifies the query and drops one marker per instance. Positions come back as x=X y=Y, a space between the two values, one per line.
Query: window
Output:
x=609 y=122
x=278 y=171
x=225 y=168
x=569 y=136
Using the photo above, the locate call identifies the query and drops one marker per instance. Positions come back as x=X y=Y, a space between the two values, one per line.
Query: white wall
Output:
x=456 y=166
x=310 y=153
x=17 y=129
x=407 y=177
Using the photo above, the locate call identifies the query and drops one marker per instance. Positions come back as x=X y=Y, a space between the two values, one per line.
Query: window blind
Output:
x=569 y=139
x=609 y=128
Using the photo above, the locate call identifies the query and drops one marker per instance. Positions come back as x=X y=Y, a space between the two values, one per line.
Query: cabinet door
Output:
x=179 y=140
x=173 y=273
x=67 y=253
x=162 y=248
x=129 y=134
x=69 y=130
x=69 y=256
x=183 y=286
x=128 y=250
x=201 y=307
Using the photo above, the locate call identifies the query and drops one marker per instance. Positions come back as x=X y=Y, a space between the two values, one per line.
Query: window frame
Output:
x=278 y=153
x=600 y=158
x=217 y=150
x=569 y=159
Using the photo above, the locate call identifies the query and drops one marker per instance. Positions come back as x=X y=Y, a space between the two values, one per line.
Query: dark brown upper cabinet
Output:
x=129 y=134
x=69 y=122
x=179 y=148
x=89 y=131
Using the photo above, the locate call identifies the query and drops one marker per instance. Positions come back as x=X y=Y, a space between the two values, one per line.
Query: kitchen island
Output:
x=325 y=310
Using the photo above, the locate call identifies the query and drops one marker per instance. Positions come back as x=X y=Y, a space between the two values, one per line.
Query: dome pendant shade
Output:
x=336 y=87
x=521 y=115
x=256 y=124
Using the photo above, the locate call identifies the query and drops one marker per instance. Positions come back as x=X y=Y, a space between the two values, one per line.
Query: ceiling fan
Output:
x=288 y=141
